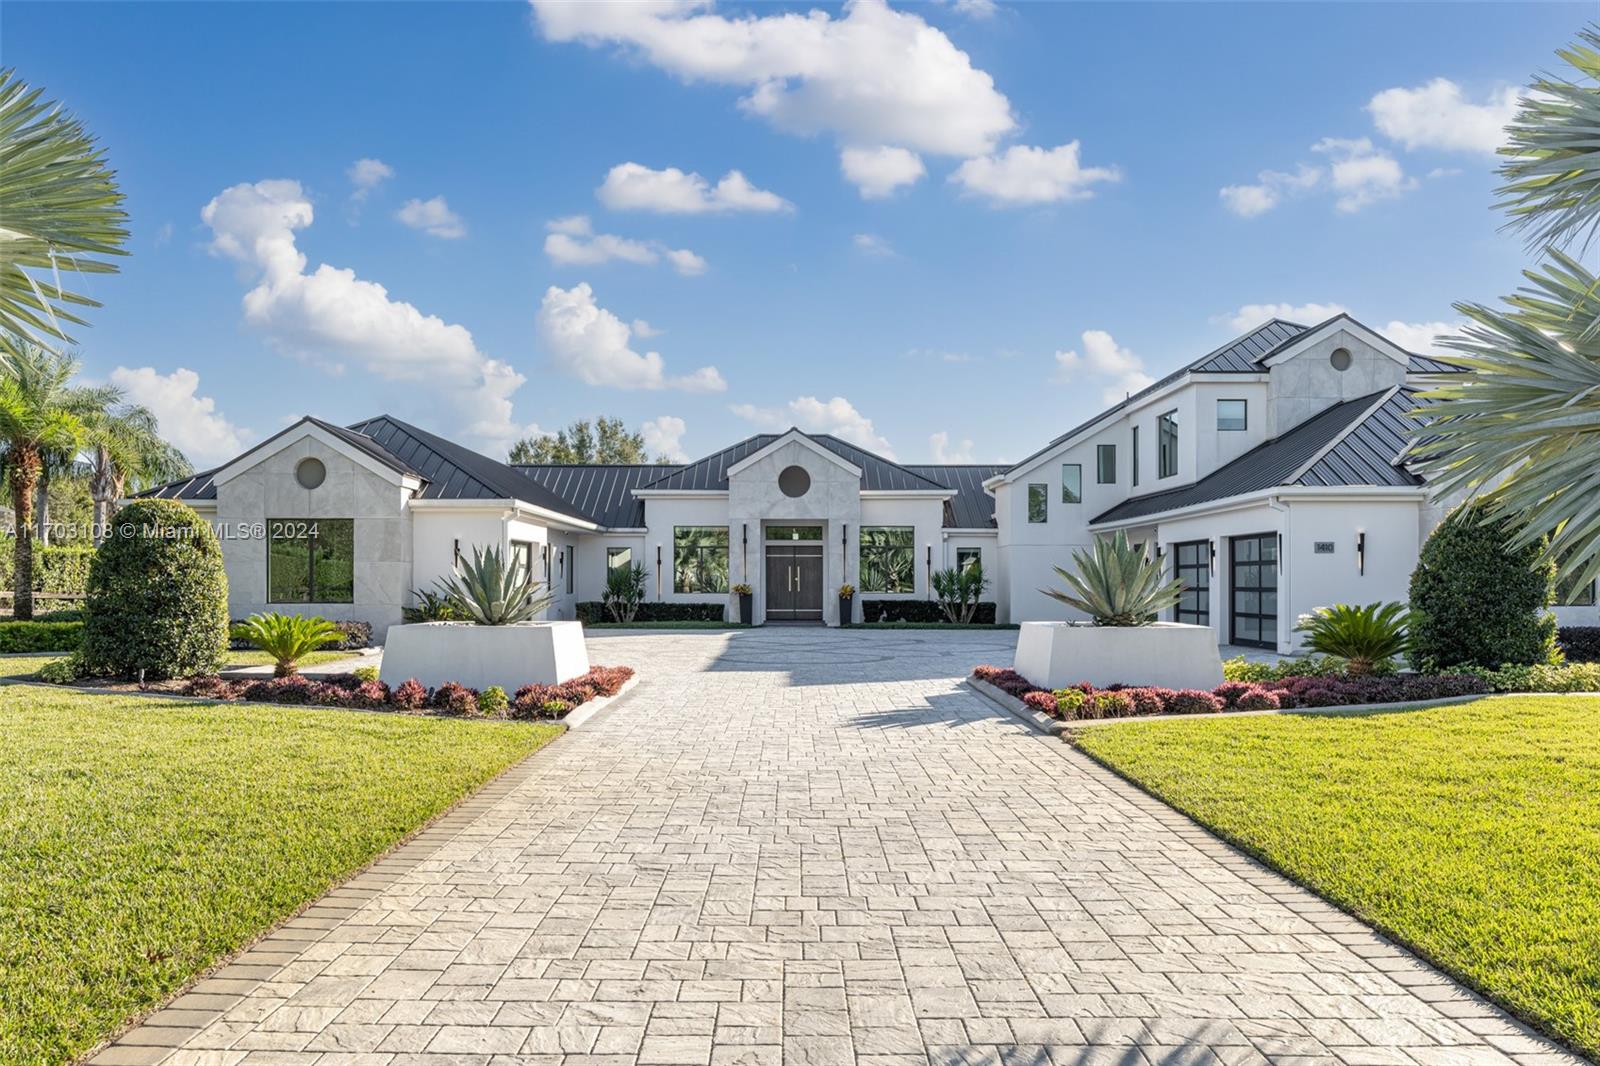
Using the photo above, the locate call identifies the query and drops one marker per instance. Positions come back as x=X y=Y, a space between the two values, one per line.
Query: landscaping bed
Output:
x=1468 y=832
x=144 y=839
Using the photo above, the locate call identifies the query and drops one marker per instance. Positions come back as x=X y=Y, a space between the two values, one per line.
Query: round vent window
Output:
x=1340 y=359
x=310 y=473
x=794 y=481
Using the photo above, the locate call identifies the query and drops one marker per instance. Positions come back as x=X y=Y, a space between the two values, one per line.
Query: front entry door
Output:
x=794 y=582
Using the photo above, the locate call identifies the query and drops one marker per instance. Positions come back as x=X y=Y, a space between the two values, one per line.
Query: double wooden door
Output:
x=794 y=582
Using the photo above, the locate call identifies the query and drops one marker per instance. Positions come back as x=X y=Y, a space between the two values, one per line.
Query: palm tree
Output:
x=1522 y=426
x=40 y=411
x=63 y=212
x=125 y=445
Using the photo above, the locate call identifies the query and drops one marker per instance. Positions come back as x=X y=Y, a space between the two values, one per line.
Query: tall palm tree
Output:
x=40 y=411
x=1522 y=425
x=125 y=446
x=63 y=212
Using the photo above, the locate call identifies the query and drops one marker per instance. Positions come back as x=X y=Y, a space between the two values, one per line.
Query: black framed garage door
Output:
x=1253 y=590
x=1192 y=567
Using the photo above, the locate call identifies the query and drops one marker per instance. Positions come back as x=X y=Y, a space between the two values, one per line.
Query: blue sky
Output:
x=910 y=246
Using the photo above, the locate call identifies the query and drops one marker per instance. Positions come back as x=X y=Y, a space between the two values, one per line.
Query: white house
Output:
x=1270 y=474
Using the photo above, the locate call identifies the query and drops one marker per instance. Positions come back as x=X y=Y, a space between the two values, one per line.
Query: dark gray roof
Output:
x=604 y=494
x=1243 y=355
x=710 y=474
x=195 y=487
x=369 y=446
x=972 y=507
x=1359 y=461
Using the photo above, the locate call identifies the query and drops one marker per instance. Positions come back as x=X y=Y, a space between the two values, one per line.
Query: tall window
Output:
x=521 y=557
x=888 y=559
x=1105 y=464
x=1167 y=444
x=967 y=558
x=1192 y=567
x=1233 y=415
x=700 y=559
x=1136 y=455
x=1071 y=482
x=311 y=560
x=1570 y=594
x=572 y=567
x=1038 y=503
x=618 y=558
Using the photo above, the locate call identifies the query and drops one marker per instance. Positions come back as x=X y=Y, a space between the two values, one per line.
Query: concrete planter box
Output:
x=1165 y=654
x=532 y=653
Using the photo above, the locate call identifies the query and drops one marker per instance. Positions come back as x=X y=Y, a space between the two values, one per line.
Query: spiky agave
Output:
x=494 y=593
x=1116 y=584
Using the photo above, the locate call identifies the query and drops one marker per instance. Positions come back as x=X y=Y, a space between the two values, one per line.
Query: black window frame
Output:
x=522 y=555
x=1105 y=458
x=972 y=555
x=706 y=556
x=1191 y=567
x=1167 y=444
x=572 y=567
x=873 y=559
x=614 y=550
x=308 y=530
x=1067 y=495
x=1040 y=497
x=1584 y=597
x=1259 y=568
x=1244 y=416
x=1135 y=457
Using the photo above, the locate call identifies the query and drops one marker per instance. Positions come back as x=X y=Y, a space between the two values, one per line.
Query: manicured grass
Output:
x=252 y=657
x=24 y=665
x=141 y=839
x=1470 y=832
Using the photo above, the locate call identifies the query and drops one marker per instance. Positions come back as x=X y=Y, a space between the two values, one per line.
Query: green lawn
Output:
x=1470 y=832
x=142 y=839
x=28 y=665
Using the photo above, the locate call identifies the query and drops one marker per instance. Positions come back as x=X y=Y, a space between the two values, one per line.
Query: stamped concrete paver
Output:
x=816 y=847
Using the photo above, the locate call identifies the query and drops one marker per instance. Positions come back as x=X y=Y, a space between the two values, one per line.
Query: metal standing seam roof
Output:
x=1358 y=461
x=972 y=507
x=602 y=493
x=197 y=486
x=710 y=474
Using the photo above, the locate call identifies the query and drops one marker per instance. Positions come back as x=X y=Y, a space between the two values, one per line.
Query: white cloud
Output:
x=366 y=175
x=635 y=187
x=1361 y=174
x=939 y=445
x=873 y=76
x=573 y=242
x=188 y=420
x=977 y=9
x=872 y=244
x=663 y=438
x=1421 y=337
x=433 y=217
x=332 y=316
x=643 y=329
x=837 y=416
x=1118 y=368
x=1023 y=174
x=1272 y=187
x=591 y=344
x=1250 y=316
x=878 y=172
x=1438 y=115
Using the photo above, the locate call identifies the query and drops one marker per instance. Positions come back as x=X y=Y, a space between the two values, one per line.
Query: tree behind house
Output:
x=606 y=442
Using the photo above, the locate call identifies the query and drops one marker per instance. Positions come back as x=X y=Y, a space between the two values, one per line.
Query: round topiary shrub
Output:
x=157 y=597
x=1474 y=602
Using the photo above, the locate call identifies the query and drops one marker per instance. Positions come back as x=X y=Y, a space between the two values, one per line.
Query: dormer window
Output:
x=1232 y=416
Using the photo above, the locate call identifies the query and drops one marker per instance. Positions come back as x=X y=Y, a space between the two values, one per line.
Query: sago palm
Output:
x=41 y=411
x=493 y=592
x=288 y=638
x=1362 y=636
x=1116 y=585
x=63 y=213
x=1521 y=426
x=125 y=447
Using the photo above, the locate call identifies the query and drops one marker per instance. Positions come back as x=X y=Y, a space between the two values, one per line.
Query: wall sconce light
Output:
x=744 y=551
x=1280 y=553
x=1361 y=551
x=1213 y=560
x=658 y=571
x=930 y=571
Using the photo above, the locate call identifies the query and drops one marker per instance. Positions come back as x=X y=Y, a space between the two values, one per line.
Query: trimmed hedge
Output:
x=917 y=611
x=62 y=569
x=1581 y=644
x=157 y=596
x=592 y=611
x=1476 y=603
x=40 y=636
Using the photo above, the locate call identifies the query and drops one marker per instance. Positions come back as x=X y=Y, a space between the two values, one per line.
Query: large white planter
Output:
x=531 y=653
x=1164 y=654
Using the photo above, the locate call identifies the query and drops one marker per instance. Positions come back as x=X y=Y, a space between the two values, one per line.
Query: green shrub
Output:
x=1069 y=702
x=1541 y=677
x=157 y=595
x=40 y=636
x=57 y=568
x=1242 y=669
x=366 y=673
x=1362 y=636
x=590 y=612
x=625 y=590
x=1476 y=603
x=288 y=638
x=63 y=671
x=493 y=702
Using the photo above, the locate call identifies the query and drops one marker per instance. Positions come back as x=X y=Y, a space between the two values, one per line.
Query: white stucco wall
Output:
x=1320 y=580
x=662 y=515
x=1306 y=384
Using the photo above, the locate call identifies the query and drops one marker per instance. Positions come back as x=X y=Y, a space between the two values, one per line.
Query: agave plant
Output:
x=288 y=638
x=1116 y=585
x=1363 y=637
x=494 y=593
x=434 y=607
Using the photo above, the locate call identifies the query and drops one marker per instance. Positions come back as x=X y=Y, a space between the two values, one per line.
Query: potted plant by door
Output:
x=847 y=599
x=747 y=603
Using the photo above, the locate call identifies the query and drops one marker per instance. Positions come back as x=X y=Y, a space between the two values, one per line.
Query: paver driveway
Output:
x=807 y=846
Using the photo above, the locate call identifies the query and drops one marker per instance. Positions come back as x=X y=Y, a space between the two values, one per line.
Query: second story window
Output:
x=1232 y=415
x=1105 y=464
x=1071 y=482
x=1038 y=503
x=1135 y=467
x=1167 y=444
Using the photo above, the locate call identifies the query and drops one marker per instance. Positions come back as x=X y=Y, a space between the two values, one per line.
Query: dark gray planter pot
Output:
x=747 y=608
x=846 y=610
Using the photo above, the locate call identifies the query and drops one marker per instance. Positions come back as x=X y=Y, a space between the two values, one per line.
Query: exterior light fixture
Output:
x=1361 y=551
x=930 y=571
x=1213 y=560
x=658 y=571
